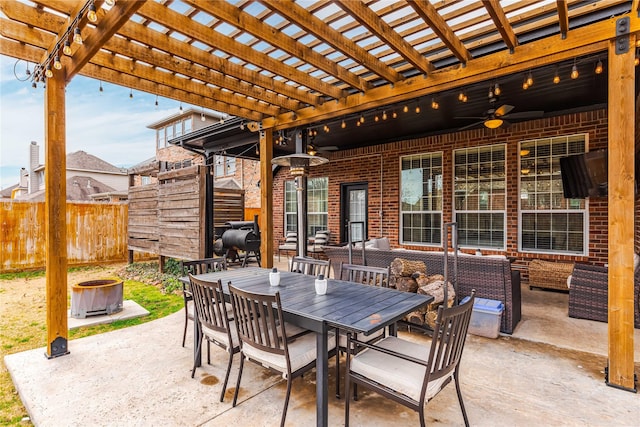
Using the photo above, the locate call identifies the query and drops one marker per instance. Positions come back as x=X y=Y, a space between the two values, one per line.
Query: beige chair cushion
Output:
x=302 y=351
x=222 y=337
x=342 y=338
x=398 y=374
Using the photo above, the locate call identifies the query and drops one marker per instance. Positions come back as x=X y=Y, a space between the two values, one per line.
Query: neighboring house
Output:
x=229 y=171
x=88 y=177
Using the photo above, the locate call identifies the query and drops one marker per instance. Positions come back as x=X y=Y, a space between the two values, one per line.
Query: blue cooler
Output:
x=486 y=316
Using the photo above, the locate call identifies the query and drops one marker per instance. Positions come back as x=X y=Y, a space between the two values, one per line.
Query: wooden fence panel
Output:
x=96 y=232
x=143 y=218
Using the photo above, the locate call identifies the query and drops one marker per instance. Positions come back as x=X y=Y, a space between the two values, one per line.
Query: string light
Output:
x=77 y=36
x=405 y=109
x=100 y=88
x=358 y=123
x=180 y=108
x=56 y=63
x=202 y=117
x=418 y=109
x=48 y=74
x=525 y=85
x=384 y=115
x=636 y=61
x=394 y=114
x=156 y=102
x=530 y=79
x=110 y=2
x=362 y=118
x=376 y=118
x=92 y=16
x=67 y=47
x=344 y=124
x=130 y=93
x=497 y=91
x=556 y=77
x=434 y=104
x=574 y=72
x=599 y=67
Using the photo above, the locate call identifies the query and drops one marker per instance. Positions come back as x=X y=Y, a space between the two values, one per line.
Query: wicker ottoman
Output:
x=549 y=275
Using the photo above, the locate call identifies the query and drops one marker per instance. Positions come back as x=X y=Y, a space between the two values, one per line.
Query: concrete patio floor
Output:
x=550 y=372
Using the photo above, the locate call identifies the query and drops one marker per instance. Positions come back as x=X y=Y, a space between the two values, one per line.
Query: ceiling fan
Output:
x=495 y=117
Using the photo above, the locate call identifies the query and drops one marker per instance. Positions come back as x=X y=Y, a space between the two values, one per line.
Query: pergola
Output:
x=285 y=64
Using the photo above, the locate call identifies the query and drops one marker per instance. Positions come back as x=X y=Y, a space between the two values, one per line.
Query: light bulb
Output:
x=361 y=119
x=465 y=99
x=56 y=63
x=525 y=85
x=417 y=109
x=434 y=104
x=405 y=109
x=376 y=118
x=100 y=88
x=556 y=78
x=636 y=61
x=358 y=123
x=530 y=79
x=599 y=67
x=460 y=96
x=92 y=16
x=202 y=117
x=34 y=85
x=574 y=72
x=67 y=48
x=77 y=36
x=497 y=89
x=180 y=108
x=131 y=94
x=394 y=115
x=343 y=125
x=48 y=73
x=384 y=115
x=110 y=2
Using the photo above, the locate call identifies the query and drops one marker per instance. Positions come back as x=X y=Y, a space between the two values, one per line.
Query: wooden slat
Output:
x=368 y=18
x=248 y=23
x=428 y=12
x=318 y=28
x=502 y=23
x=620 y=214
x=181 y=23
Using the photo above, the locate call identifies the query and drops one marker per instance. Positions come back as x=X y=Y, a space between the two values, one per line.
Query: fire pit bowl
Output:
x=96 y=297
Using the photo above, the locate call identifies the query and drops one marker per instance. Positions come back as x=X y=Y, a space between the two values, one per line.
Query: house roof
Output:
x=214 y=115
x=81 y=160
x=79 y=188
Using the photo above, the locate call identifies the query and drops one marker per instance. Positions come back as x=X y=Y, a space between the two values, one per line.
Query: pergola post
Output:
x=621 y=214
x=55 y=184
x=266 y=198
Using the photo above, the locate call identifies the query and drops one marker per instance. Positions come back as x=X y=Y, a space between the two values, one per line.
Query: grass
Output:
x=25 y=329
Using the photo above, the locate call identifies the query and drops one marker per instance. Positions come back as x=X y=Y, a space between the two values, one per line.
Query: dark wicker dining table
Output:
x=349 y=306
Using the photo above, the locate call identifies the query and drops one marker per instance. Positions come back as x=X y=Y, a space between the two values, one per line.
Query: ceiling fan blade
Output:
x=503 y=109
x=471 y=125
x=328 y=148
x=525 y=115
x=470 y=117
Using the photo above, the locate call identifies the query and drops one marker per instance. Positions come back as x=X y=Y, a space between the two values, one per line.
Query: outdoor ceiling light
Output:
x=599 y=67
x=92 y=15
x=67 y=47
x=56 y=63
x=77 y=36
x=493 y=122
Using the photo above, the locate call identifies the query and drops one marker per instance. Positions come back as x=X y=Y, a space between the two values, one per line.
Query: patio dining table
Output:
x=349 y=306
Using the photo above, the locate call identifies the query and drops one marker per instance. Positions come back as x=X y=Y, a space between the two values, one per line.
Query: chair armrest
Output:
x=385 y=350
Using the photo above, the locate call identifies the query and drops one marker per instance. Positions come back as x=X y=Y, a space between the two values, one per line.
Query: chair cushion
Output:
x=397 y=374
x=287 y=247
x=222 y=337
x=342 y=338
x=302 y=351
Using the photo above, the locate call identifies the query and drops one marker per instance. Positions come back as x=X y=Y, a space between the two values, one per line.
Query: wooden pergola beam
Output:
x=430 y=15
x=234 y=16
x=266 y=198
x=301 y=17
x=116 y=18
x=368 y=18
x=502 y=23
x=621 y=149
x=76 y=6
x=563 y=16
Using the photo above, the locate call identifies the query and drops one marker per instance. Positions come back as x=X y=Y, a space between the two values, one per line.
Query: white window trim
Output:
x=585 y=225
x=441 y=211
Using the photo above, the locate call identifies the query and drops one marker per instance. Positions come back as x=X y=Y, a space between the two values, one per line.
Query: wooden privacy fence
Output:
x=96 y=233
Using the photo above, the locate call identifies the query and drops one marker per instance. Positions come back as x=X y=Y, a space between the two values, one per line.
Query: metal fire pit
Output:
x=96 y=297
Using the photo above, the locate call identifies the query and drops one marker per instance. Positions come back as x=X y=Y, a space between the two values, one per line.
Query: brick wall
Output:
x=379 y=167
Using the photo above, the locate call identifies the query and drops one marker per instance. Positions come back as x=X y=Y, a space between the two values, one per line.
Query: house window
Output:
x=317 y=205
x=421 y=199
x=162 y=138
x=187 y=125
x=480 y=196
x=146 y=180
x=169 y=133
x=550 y=223
x=178 y=127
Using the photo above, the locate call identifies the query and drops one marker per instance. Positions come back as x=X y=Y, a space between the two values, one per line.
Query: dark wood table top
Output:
x=346 y=305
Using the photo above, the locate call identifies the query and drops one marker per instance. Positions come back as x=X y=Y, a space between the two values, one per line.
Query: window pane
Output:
x=549 y=222
x=421 y=198
x=480 y=196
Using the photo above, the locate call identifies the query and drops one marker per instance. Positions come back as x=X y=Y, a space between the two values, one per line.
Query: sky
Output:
x=107 y=124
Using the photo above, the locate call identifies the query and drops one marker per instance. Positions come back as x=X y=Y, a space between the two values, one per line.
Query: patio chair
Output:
x=264 y=339
x=290 y=244
x=213 y=319
x=310 y=266
x=408 y=372
x=320 y=240
x=199 y=266
x=374 y=276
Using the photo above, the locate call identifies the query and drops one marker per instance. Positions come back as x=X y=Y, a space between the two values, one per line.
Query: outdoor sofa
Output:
x=490 y=276
x=589 y=293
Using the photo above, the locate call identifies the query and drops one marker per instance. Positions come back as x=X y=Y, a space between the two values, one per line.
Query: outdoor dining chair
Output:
x=319 y=241
x=310 y=266
x=213 y=320
x=411 y=373
x=290 y=244
x=199 y=266
x=374 y=276
x=264 y=339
